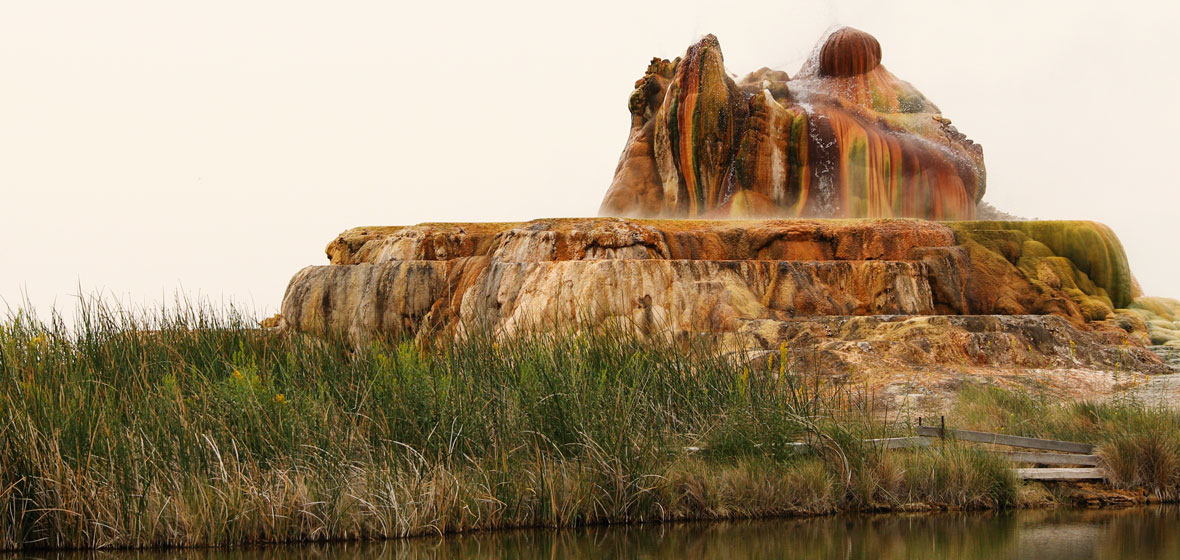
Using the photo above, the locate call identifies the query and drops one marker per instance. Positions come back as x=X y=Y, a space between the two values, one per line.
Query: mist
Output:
x=215 y=149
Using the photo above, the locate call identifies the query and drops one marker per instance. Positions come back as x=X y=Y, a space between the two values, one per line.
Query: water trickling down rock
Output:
x=844 y=138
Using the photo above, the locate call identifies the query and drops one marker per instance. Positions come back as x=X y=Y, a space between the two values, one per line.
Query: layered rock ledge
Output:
x=910 y=292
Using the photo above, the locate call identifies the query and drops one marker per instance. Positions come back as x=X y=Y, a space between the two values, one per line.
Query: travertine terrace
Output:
x=813 y=261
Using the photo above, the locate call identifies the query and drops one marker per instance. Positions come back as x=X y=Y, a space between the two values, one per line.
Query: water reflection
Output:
x=1145 y=533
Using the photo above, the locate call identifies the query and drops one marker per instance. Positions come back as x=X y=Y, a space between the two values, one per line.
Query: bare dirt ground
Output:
x=1159 y=390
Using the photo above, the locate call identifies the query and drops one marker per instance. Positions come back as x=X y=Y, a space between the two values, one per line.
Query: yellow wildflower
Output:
x=237 y=374
x=279 y=398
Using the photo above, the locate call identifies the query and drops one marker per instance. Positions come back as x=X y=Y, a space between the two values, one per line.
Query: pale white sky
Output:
x=217 y=146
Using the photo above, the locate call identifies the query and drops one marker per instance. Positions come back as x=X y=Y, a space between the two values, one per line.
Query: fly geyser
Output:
x=843 y=139
x=812 y=263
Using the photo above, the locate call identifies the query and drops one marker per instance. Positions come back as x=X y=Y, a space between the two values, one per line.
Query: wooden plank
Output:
x=1051 y=458
x=1012 y=441
x=901 y=442
x=797 y=447
x=885 y=443
x=1060 y=474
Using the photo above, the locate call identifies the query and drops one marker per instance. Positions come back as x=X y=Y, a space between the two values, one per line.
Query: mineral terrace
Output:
x=827 y=261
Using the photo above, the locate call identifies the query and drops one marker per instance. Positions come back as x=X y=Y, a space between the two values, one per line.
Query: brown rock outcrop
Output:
x=606 y=238
x=751 y=282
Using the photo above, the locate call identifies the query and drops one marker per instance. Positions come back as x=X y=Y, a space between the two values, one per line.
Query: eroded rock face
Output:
x=757 y=283
x=836 y=345
x=604 y=238
x=843 y=139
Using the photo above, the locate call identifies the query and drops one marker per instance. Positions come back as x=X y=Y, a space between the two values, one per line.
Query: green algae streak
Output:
x=1092 y=248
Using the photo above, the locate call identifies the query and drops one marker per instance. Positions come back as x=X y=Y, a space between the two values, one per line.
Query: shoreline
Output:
x=903 y=511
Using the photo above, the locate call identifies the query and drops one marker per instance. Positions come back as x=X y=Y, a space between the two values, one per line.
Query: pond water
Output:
x=1141 y=533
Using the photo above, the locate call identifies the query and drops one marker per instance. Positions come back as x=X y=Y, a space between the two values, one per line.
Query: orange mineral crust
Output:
x=895 y=293
x=844 y=138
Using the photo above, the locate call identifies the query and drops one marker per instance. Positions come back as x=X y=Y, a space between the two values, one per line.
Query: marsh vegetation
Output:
x=195 y=427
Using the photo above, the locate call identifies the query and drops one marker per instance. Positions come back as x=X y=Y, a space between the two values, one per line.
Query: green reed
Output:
x=193 y=427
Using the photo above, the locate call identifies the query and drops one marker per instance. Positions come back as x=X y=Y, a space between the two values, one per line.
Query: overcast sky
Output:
x=216 y=147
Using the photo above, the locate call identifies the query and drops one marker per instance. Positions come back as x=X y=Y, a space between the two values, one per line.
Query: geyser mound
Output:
x=845 y=138
x=896 y=301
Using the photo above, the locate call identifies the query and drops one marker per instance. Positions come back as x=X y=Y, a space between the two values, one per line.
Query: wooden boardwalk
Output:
x=1004 y=439
x=1071 y=461
x=1049 y=452
x=1046 y=473
x=1051 y=458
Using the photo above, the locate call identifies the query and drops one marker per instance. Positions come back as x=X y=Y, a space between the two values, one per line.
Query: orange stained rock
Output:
x=849 y=52
x=915 y=292
x=844 y=138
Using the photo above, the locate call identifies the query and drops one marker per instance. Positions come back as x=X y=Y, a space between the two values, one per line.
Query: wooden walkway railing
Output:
x=1055 y=452
x=1075 y=461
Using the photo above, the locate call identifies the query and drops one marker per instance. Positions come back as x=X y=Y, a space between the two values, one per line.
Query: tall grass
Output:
x=194 y=427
